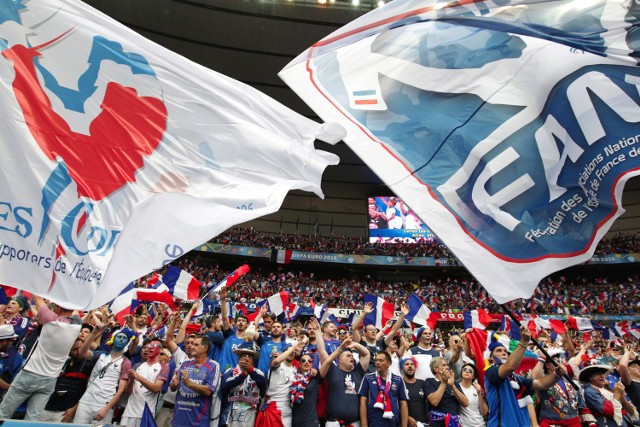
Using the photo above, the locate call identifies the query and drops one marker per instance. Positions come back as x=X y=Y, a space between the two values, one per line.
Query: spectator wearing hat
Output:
x=561 y=403
x=416 y=393
x=37 y=379
x=70 y=387
x=609 y=407
x=629 y=370
x=502 y=384
x=241 y=388
x=10 y=359
x=12 y=315
x=343 y=332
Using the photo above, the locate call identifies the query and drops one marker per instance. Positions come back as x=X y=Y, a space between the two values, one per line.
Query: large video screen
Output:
x=391 y=221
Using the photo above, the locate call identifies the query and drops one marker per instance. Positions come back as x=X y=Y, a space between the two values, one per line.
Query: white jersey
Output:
x=140 y=394
x=105 y=378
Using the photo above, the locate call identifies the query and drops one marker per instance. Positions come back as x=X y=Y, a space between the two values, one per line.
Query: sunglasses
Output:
x=342 y=332
x=305 y=360
x=467 y=370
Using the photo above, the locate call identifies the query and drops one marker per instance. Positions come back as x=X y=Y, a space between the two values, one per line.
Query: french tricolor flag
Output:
x=159 y=293
x=319 y=311
x=231 y=279
x=121 y=305
x=277 y=303
x=579 y=323
x=181 y=284
x=479 y=319
x=383 y=311
x=418 y=312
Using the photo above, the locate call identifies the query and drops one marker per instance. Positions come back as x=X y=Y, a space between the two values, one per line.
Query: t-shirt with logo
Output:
x=343 y=400
x=105 y=377
x=192 y=408
x=417 y=400
x=140 y=394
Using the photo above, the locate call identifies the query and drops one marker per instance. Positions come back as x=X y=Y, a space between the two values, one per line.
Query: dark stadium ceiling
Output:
x=251 y=41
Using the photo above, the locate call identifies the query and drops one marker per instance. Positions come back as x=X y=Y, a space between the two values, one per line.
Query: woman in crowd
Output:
x=473 y=414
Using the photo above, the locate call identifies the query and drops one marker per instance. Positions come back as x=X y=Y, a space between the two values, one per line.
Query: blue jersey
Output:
x=503 y=404
x=397 y=392
x=193 y=409
x=228 y=359
x=264 y=362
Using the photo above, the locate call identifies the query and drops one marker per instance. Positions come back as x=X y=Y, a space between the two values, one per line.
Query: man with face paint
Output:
x=145 y=382
x=108 y=380
x=501 y=383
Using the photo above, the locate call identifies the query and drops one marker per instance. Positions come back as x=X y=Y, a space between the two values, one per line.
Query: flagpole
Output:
x=542 y=349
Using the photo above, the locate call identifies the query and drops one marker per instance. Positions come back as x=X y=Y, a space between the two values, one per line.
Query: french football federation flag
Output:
x=232 y=278
x=382 y=311
x=579 y=323
x=181 y=284
x=121 y=305
x=418 y=312
x=476 y=319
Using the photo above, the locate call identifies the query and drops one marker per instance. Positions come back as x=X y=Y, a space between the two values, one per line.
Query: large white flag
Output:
x=118 y=156
x=509 y=126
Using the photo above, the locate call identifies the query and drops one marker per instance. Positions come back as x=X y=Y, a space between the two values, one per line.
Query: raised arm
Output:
x=283 y=356
x=182 y=332
x=623 y=366
x=224 y=309
x=324 y=368
x=397 y=325
x=515 y=358
x=368 y=308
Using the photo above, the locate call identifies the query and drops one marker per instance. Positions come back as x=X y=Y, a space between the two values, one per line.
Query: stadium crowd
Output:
x=555 y=295
x=219 y=370
x=620 y=243
x=175 y=368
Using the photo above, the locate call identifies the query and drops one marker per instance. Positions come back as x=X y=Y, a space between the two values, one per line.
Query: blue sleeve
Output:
x=17 y=365
x=363 y=391
x=526 y=382
x=430 y=386
x=402 y=391
x=260 y=379
x=216 y=338
x=595 y=401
